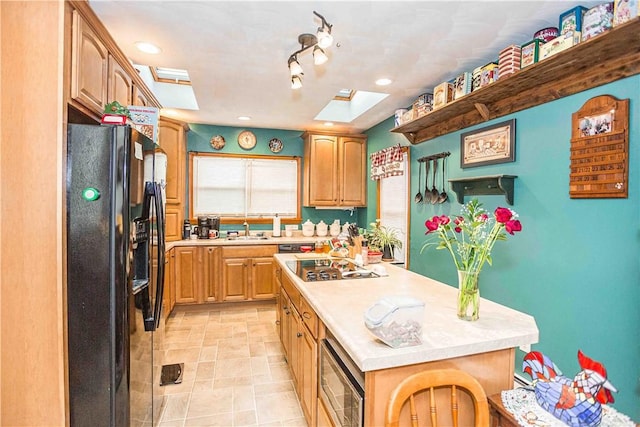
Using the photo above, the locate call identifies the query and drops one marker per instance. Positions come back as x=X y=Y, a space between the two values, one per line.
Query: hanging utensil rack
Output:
x=434 y=156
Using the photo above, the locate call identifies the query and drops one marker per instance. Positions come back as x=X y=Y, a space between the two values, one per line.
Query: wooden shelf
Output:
x=484 y=185
x=595 y=62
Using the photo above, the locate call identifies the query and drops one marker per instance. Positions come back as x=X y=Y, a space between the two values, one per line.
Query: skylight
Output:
x=170 y=75
x=345 y=110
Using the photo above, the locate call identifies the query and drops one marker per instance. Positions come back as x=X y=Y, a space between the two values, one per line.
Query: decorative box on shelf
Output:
x=597 y=20
x=559 y=44
x=530 y=53
x=571 y=20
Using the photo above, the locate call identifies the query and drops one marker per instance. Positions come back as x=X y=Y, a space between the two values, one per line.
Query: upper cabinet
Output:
x=173 y=141
x=597 y=61
x=100 y=73
x=334 y=170
x=89 y=62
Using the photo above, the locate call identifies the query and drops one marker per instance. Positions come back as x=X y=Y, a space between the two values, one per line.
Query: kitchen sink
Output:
x=248 y=238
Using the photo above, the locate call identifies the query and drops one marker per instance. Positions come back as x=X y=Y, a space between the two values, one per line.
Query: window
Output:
x=393 y=206
x=244 y=187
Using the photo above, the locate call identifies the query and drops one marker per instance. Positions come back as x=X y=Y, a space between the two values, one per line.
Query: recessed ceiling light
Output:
x=148 y=47
x=244 y=118
x=383 y=82
x=328 y=123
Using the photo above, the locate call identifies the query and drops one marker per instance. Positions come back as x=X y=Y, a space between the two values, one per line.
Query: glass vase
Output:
x=468 y=295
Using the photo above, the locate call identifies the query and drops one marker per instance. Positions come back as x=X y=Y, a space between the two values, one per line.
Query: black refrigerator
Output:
x=115 y=274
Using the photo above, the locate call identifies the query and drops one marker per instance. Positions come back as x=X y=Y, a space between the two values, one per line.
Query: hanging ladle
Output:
x=418 y=197
x=427 y=196
x=443 y=196
x=434 y=191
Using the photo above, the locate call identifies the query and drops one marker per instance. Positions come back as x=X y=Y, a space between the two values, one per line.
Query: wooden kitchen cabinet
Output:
x=89 y=66
x=334 y=170
x=299 y=336
x=186 y=275
x=119 y=84
x=197 y=277
x=169 y=297
x=138 y=97
x=247 y=272
x=172 y=140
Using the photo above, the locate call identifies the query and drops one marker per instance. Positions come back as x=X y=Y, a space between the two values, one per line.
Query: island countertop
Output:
x=341 y=305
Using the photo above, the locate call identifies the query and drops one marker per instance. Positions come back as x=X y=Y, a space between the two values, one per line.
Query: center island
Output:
x=484 y=348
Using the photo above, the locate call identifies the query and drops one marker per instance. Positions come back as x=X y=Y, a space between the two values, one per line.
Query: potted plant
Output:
x=384 y=239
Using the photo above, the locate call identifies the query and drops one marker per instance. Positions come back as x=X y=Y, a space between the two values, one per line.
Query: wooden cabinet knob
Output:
x=299 y=334
x=306 y=315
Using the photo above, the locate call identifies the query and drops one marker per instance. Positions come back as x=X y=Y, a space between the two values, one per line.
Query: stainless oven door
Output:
x=341 y=389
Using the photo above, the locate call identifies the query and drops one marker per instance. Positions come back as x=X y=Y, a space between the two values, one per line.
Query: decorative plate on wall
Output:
x=275 y=145
x=247 y=139
x=217 y=142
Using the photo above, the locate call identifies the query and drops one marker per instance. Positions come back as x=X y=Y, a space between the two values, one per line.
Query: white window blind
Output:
x=394 y=192
x=232 y=186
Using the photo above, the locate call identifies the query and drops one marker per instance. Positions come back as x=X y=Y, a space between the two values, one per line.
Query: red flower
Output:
x=432 y=224
x=458 y=221
x=503 y=215
x=444 y=220
x=482 y=217
x=513 y=226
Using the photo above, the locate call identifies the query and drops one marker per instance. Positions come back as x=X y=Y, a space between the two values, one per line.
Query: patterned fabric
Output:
x=387 y=162
x=522 y=404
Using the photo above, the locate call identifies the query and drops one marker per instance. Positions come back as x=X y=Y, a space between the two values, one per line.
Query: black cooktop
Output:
x=317 y=270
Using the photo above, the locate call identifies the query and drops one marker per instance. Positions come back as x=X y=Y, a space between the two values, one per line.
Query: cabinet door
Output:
x=186 y=272
x=138 y=98
x=210 y=273
x=120 y=86
x=169 y=297
x=262 y=284
x=352 y=154
x=171 y=138
x=308 y=370
x=294 y=349
x=235 y=278
x=173 y=222
x=89 y=59
x=286 y=322
x=321 y=170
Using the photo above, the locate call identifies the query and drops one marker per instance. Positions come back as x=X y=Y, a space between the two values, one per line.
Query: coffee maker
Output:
x=203 y=227
x=207 y=224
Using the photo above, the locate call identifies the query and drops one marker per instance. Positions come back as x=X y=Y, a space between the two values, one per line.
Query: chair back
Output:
x=428 y=381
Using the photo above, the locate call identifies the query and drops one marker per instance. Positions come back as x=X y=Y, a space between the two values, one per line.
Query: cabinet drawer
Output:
x=292 y=291
x=309 y=317
x=249 y=251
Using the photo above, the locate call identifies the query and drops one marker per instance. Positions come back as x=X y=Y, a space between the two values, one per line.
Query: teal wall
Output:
x=198 y=140
x=575 y=266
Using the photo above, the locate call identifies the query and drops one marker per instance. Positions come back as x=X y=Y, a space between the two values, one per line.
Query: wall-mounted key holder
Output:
x=484 y=185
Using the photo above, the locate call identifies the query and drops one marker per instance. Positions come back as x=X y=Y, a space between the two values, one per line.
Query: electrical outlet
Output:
x=525 y=348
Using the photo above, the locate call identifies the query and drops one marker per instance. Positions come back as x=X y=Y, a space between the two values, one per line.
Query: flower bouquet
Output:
x=469 y=238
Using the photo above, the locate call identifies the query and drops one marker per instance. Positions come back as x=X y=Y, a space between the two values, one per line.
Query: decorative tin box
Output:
x=597 y=20
x=489 y=74
x=571 y=20
x=475 y=78
x=442 y=94
x=546 y=34
x=559 y=44
x=624 y=10
x=530 y=53
x=462 y=85
x=422 y=105
x=509 y=60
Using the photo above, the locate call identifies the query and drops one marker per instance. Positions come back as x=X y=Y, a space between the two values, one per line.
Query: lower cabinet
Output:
x=247 y=272
x=299 y=336
x=197 y=274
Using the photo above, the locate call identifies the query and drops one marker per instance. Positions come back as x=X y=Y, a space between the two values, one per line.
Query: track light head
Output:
x=294 y=66
x=296 y=82
x=319 y=57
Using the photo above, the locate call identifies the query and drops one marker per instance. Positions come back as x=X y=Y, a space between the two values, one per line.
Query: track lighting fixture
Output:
x=307 y=41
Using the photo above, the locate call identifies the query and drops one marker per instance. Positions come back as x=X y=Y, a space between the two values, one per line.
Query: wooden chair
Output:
x=430 y=380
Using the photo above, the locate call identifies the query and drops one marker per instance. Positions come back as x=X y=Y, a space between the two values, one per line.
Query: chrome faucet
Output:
x=246 y=228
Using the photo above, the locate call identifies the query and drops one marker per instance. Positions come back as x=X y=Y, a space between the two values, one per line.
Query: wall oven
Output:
x=341 y=385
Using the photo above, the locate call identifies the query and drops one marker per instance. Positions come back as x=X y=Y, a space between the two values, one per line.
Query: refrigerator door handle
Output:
x=159 y=205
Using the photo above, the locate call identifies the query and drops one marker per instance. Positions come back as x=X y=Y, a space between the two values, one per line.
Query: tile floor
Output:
x=234 y=370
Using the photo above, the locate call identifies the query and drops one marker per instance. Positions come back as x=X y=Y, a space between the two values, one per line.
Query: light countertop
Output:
x=223 y=241
x=341 y=306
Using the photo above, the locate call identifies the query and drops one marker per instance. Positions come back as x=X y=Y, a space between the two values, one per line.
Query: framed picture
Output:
x=489 y=145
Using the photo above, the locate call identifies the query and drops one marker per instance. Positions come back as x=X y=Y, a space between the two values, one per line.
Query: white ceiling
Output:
x=236 y=51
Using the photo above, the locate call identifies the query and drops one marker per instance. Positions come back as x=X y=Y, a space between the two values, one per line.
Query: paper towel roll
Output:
x=276 y=226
